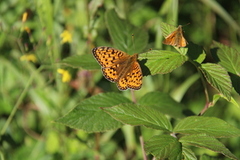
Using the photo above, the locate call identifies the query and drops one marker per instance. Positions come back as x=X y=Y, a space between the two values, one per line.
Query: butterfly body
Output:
x=118 y=66
x=176 y=38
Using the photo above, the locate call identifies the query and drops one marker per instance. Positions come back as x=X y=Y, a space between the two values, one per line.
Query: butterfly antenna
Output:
x=185 y=24
x=133 y=41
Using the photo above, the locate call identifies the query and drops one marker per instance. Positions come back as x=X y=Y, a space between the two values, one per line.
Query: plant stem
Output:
x=22 y=95
x=139 y=133
x=141 y=142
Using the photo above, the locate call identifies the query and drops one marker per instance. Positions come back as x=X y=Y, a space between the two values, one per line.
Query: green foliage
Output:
x=218 y=77
x=121 y=32
x=89 y=117
x=160 y=61
x=85 y=61
x=206 y=141
x=187 y=108
x=164 y=146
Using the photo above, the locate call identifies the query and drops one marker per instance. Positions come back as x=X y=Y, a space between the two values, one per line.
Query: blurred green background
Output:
x=33 y=93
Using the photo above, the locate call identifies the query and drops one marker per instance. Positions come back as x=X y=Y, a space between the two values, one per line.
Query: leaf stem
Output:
x=133 y=96
x=204 y=86
x=206 y=93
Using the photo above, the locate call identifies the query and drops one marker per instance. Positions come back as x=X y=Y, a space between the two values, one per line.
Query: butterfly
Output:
x=176 y=38
x=118 y=66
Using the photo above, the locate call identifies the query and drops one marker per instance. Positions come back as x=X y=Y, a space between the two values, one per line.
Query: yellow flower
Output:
x=29 y=57
x=24 y=16
x=27 y=30
x=66 y=77
x=66 y=37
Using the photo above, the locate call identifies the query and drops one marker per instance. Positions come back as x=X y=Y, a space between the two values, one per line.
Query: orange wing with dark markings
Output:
x=118 y=66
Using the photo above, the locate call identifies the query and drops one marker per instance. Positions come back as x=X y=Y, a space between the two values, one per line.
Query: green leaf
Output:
x=121 y=34
x=167 y=28
x=188 y=154
x=164 y=146
x=207 y=157
x=86 y=61
x=226 y=57
x=89 y=117
x=209 y=125
x=218 y=77
x=160 y=61
x=196 y=53
x=137 y=115
x=208 y=142
x=162 y=102
x=217 y=96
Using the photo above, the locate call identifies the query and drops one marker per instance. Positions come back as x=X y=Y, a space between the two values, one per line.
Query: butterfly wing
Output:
x=182 y=42
x=117 y=66
x=107 y=56
x=170 y=39
x=111 y=73
x=176 y=38
x=134 y=79
x=111 y=61
x=131 y=79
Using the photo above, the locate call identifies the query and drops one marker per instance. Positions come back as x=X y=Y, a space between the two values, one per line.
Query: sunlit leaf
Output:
x=208 y=142
x=218 y=77
x=188 y=154
x=160 y=61
x=217 y=96
x=164 y=146
x=162 y=102
x=227 y=57
x=139 y=115
x=209 y=125
x=89 y=117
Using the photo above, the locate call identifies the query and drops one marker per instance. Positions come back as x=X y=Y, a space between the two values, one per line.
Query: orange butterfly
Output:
x=118 y=66
x=176 y=38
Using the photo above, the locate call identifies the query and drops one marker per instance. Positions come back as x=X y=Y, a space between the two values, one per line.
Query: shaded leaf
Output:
x=162 y=102
x=122 y=32
x=209 y=125
x=89 y=117
x=218 y=77
x=137 y=115
x=160 y=61
x=235 y=82
x=86 y=61
x=164 y=146
x=208 y=142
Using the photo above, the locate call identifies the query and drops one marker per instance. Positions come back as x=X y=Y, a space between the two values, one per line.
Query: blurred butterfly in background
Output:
x=176 y=38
